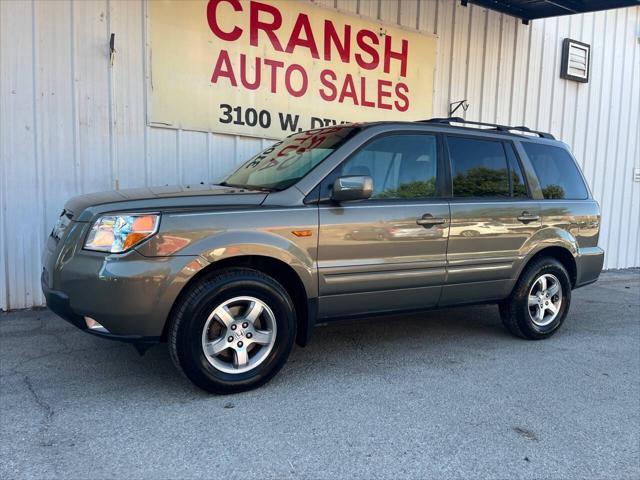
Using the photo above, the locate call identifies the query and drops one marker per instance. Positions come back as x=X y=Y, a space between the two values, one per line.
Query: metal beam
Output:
x=530 y=10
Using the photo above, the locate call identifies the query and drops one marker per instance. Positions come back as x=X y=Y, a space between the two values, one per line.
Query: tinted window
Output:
x=287 y=161
x=518 y=187
x=557 y=172
x=402 y=166
x=478 y=168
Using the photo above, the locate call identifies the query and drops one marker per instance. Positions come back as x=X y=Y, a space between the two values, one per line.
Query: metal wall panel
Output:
x=71 y=123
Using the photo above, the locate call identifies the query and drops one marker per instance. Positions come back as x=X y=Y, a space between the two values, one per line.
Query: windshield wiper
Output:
x=246 y=187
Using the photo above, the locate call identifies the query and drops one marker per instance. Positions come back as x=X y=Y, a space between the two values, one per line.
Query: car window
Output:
x=518 y=186
x=287 y=161
x=401 y=166
x=478 y=168
x=557 y=173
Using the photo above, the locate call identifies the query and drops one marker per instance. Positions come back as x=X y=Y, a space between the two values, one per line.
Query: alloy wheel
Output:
x=545 y=299
x=239 y=334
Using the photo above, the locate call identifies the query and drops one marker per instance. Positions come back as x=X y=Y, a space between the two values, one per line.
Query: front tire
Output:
x=540 y=301
x=232 y=331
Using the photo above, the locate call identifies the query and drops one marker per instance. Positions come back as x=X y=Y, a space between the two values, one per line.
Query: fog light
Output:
x=95 y=326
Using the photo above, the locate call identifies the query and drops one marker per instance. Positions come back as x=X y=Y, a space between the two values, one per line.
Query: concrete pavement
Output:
x=446 y=394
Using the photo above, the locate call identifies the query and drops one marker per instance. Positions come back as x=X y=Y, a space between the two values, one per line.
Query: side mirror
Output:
x=352 y=188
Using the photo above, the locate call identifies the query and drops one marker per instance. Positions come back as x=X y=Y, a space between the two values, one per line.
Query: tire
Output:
x=233 y=291
x=524 y=320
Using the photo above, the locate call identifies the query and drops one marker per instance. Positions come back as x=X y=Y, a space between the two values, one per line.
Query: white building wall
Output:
x=70 y=123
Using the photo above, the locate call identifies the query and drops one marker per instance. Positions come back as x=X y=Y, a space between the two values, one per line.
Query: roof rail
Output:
x=492 y=126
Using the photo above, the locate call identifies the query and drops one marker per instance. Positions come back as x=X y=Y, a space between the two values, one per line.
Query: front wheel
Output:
x=540 y=301
x=232 y=331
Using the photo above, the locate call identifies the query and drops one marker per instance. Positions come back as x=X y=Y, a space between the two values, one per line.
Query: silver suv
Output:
x=344 y=221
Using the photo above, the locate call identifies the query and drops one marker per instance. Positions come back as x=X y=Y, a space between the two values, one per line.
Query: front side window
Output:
x=478 y=168
x=401 y=166
x=284 y=163
x=557 y=173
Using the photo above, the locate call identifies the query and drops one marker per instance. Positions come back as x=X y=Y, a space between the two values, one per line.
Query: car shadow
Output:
x=86 y=365
x=439 y=338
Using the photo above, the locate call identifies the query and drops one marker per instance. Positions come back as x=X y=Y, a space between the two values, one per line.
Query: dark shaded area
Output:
x=532 y=9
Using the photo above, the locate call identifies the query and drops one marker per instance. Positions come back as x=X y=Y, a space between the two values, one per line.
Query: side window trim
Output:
x=510 y=144
x=441 y=171
x=533 y=185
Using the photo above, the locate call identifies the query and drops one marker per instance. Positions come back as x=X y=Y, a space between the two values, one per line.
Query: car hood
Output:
x=85 y=207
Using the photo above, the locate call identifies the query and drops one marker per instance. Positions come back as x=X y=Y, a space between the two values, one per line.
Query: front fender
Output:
x=238 y=244
x=217 y=237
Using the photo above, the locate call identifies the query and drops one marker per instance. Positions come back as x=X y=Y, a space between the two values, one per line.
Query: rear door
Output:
x=389 y=252
x=492 y=218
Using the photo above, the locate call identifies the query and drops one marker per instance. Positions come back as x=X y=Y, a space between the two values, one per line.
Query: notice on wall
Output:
x=273 y=67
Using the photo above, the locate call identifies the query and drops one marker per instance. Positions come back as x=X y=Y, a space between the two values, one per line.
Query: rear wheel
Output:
x=232 y=331
x=539 y=302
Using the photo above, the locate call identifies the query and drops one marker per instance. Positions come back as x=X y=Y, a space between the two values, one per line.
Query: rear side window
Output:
x=478 y=168
x=557 y=173
x=402 y=166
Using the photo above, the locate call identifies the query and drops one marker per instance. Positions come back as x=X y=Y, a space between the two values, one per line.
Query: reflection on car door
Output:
x=388 y=252
x=492 y=218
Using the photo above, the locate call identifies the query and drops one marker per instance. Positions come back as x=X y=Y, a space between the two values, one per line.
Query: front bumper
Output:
x=129 y=294
x=58 y=303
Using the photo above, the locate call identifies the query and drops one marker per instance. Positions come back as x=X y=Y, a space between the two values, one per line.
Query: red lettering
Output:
x=243 y=73
x=302 y=23
x=212 y=7
x=255 y=24
x=363 y=94
x=303 y=75
x=223 y=69
x=348 y=90
x=367 y=48
x=327 y=77
x=402 y=56
x=404 y=106
x=275 y=65
x=331 y=37
x=384 y=94
x=286 y=150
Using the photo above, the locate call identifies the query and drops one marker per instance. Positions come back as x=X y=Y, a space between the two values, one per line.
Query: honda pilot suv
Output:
x=345 y=221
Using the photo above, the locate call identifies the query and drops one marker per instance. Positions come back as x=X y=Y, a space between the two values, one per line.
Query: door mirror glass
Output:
x=356 y=187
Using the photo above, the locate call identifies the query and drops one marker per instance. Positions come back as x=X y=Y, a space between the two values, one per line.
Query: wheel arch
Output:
x=280 y=270
x=563 y=254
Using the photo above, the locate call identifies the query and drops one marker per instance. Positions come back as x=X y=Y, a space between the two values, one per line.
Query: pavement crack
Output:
x=44 y=406
x=526 y=433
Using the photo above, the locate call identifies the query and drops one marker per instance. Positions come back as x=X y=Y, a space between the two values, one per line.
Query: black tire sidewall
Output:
x=194 y=316
x=526 y=324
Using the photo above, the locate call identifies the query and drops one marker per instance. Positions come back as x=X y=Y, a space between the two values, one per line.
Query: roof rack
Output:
x=492 y=126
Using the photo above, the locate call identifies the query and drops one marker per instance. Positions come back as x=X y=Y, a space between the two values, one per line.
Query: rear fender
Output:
x=546 y=238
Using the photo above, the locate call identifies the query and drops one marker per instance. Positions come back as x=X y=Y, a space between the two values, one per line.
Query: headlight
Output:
x=117 y=233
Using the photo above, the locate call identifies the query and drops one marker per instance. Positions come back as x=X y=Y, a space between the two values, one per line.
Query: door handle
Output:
x=526 y=217
x=429 y=220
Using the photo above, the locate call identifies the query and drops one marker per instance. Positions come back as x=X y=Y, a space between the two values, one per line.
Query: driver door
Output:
x=387 y=253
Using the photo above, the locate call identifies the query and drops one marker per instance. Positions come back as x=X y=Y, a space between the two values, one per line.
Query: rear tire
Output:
x=539 y=302
x=232 y=331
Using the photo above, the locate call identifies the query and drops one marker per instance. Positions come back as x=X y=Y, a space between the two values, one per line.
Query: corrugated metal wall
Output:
x=69 y=123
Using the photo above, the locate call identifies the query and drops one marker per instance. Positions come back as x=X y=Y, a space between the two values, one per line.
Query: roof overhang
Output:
x=532 y=9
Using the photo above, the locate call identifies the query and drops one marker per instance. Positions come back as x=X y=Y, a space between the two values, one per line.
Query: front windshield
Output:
x=285 y=162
